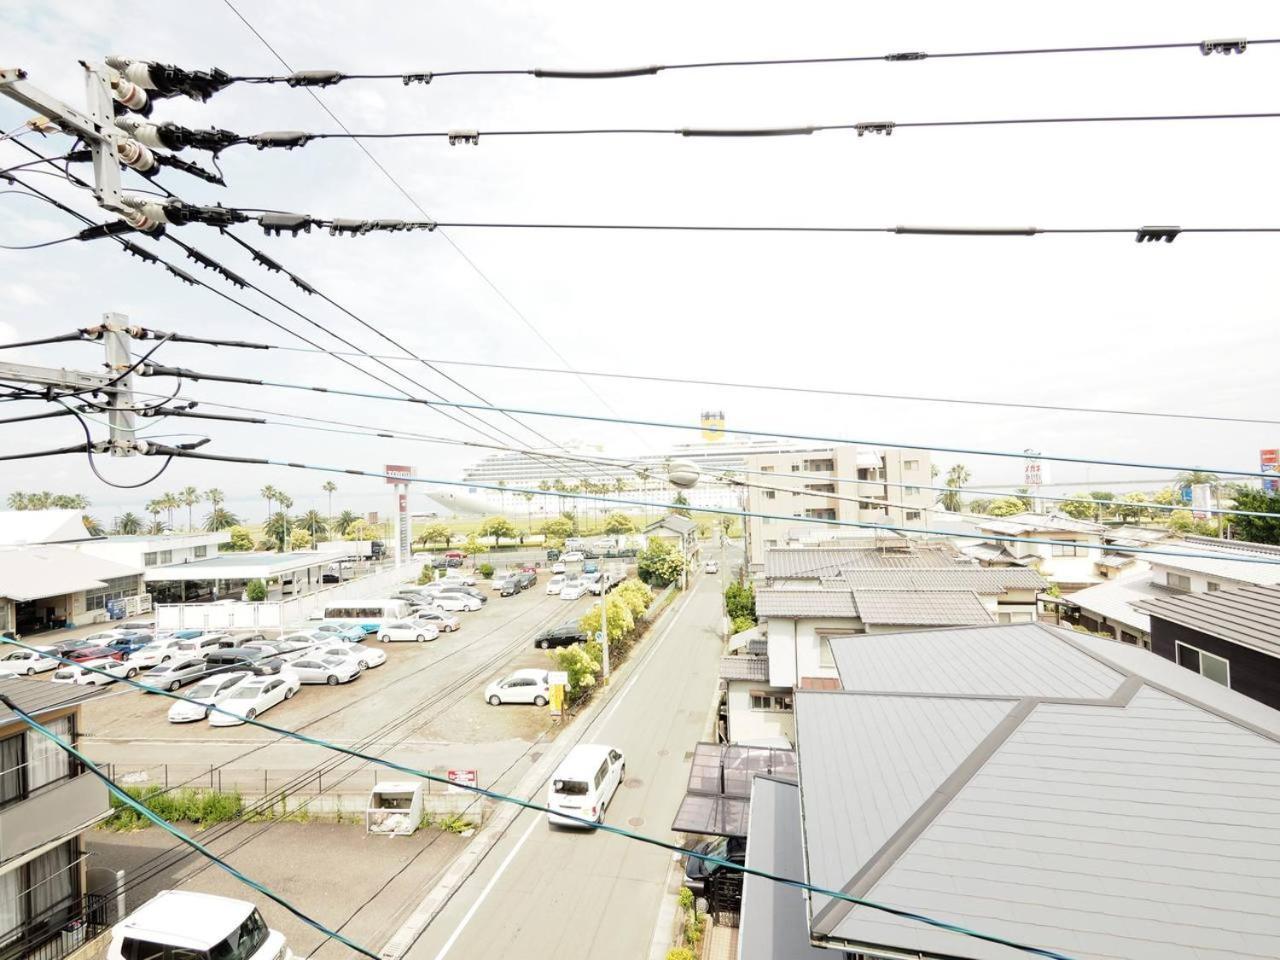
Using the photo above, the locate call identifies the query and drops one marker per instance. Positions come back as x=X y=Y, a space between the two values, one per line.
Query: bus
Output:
x=370 y=614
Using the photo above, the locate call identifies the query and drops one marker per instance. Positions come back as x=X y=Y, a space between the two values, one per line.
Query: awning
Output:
x=718 y=798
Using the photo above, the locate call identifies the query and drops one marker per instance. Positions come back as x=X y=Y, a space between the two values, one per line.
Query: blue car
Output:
x=351 y=631
x=130 y=642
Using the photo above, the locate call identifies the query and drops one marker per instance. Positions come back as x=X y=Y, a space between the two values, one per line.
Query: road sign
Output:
x=463 y=778
x=1270 y=460
x=558 y=677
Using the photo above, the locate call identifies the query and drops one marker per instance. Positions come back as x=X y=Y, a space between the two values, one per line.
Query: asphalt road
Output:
x=547 y=892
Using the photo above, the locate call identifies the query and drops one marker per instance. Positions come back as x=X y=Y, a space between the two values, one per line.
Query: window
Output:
x=1215 y=668
x=1069 y=550
x=825 y=513
x=825 y=657
x=241 y=945
x=150 y=559
x=764 y=700
x=821 y=487
x=910 y=464
x=200 y=551
x=1179 y=582
x=911 y=491
x=11 y=755
x=766 y=469
x=819 y=466
x=770 y=495
x=115 y=589
x=795 y=468
x=1014 y=616
x=913 y=514
x=1212 y=586
x=46 y=761
x=37 y=898
x=771 y=543
x=602 y=773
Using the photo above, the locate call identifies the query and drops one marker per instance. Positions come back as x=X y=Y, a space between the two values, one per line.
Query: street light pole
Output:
x=604 y=624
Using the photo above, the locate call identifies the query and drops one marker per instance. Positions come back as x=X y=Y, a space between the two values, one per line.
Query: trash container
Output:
x=395 y=808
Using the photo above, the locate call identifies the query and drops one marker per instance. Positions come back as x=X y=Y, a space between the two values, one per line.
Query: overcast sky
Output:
x=1096 y=321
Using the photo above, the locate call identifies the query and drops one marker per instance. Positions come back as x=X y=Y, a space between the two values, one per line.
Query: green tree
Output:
x=1132 y=507
x=360 y=529
x=329 y=487
x=127 y=524
x=498 y=528
x=255 y=591
x=957 y=477
x=557 y=529
x=92 y=526
x=343 y=523
x=680 y=501
x=635 y=595
x=621 y=622
x=1190 y=478
x=300 y=539
x=616 y=522
x=581 y=662
x=1024 y=494
x=1079 y=507
x=155 y=508
x=189 y=496
x=277 y=529
x=436 y=533
x=16 y=500
x=315 y=525
x=1181 y=521
x=169 y=502
x=660 y=563
x=740 y=601
x=215 y=497
x=269 y=494
x=220 y=518
x=1255 y=529
x=473 y=545
x=1006 y=507
x=980 y=506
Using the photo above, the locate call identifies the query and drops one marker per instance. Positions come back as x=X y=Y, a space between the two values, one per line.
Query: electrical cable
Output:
x=325 y=78
x=525 y=804
x=38 y=246
x=457 y=248
x=61 y=338
x=124 y=797
x=88 y=449
x=36 y=454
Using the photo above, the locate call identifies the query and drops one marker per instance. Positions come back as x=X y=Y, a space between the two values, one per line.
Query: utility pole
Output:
x=116 y=383
x=604 y=622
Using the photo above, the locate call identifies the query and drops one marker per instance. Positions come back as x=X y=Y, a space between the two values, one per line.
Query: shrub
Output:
x=427 y=575
x=204 y=807
x=681 y=953
x=742 y=623
x=241 y=539
x=740 y=602
x=636 y=596
x=255 y=591
x=581 y=662
x=685 y=898
x=485 y=570
x=621 y=622
x=299 y=539
x=660 y=563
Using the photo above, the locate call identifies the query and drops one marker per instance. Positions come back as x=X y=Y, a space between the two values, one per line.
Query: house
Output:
x=1073 y=562
x=1026 y=782
x=845 y=484
x=148 y=551
x=680 y=532
x=1111 y=608
x=814 y=565
x=46 y=588
x=1231 y=636
x=1221 y=563
x=47 y=803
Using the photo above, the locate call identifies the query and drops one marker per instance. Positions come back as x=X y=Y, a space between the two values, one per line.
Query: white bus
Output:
x=370 y=614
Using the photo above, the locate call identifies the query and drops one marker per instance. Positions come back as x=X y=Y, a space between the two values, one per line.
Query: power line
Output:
x=525 y=804
x=326 y=78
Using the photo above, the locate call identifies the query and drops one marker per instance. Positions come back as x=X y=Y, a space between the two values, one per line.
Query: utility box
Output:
x=395 y=808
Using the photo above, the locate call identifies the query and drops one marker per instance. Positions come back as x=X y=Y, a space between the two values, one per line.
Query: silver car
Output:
x=330 y=670
x=175 y=673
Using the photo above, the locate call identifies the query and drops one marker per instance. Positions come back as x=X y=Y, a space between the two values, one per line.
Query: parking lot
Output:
x=425 y=702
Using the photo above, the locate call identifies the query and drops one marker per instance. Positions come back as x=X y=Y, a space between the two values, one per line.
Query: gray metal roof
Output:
x=744 y=667
x=810 y=564
x=908 y=608
x=28 y=573
x=1115 y=599
x=38 y=697
x=773 y=602
x=984 y=580
x=674 y=522
x=1249 y=616
x=1264 y=572
x=1040 y=523
x=774 y=924
x=1130 y=813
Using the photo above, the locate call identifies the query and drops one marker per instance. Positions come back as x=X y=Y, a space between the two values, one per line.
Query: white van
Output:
x=195 y=926
x=584 y=784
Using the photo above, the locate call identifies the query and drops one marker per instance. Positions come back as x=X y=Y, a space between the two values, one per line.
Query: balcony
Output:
x=57 y=811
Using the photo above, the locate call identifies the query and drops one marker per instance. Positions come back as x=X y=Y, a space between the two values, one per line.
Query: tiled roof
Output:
x=985 y=580
x=908 y=608
x=784 y=564
x=1040 y=523
x=744 y=667
x=774 y=602
x=1249 y=616
x=1066 y=791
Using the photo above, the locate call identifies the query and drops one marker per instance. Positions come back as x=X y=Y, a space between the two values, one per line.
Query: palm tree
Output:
x=269 y=494
x=92 y=526
x=277 y=529
x=220 y=519
x=170 y=503
x=286 y=504
x=17 y=500
x=344 y=521
x=215 y=496
x=314 y=523
x=155 y=528
x=189 y=496
x=1190 y=478
x=329 y=487
x=957 y=477
x=127 y=524
x=155 y=508
x=528 y=510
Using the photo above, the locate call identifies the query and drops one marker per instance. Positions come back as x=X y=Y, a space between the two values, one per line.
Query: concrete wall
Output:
x=1199 y=581
x=798 y=643
x=748 y=724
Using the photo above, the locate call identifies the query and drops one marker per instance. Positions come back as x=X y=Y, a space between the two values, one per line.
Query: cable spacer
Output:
x=1227 y=47
x=276 y=224
x=288 y=139
x=912 y=55
x=423 y=78
x=314 y=78
x=352 y=227
x=1156 y=234
x=391 y=226
x=464 y=136
x=875 y=126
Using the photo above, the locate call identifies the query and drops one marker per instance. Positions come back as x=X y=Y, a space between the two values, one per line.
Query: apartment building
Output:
x=841 y=484
x=47 y=802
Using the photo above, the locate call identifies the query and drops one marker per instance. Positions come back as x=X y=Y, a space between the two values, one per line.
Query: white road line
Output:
x=488 y=888
x=599 y=721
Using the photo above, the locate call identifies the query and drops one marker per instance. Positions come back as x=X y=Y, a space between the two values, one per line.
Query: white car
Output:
x=558 y=567
x=444 y=622
x=103 y=638
x=414 y=630
x=330 y=670
x=366 y=657
x=174 y=674
x=453 y=602
x=711 y=566
x=573 y=589
x=252 y=697
x=201 y=645
x=159 y=650
x=456 y=576
x=522 y=686
x=113 y=671
x=288 y=649
x=27 y=662
x=207 y=693
x=180 y=923
x=584 y=784
x=573 y=556
x=554 y=585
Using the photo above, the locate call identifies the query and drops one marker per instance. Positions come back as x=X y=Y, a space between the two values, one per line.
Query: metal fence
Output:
x=85 y=919
x=724 y=897
x=346 y=779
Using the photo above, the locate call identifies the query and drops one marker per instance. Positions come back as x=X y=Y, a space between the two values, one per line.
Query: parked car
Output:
x=351 y=633
x=365 y=657
x=522 y=686
x=204 y=644
x=127 y=643
x=209 y=692
x=698 y=872
x=174 y=674
x=81 y=654
x=573 y=589
x=526 y=579
x=413 y=630
x=442 y=621
x=259 y=661
x=182 y=923
x=606 y=581
x=143 y=625
x=554 y=585
x=591 y=566
x=330 y=670
x=584 y=784
x=558 y=568
x=252 y=697
x=457 y=601
x=289 y=648
x=508 y=587
x=574 y=556
x=565 y=635
x=458 y=577
x=159 y=650
x=711 y=566
x=553 y=554
x=459 y=588
x=95 y=673
x=67 y=647
x=27 y=662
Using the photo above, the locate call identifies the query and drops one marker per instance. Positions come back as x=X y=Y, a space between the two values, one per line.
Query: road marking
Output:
x=599 y=721
x=488 y=888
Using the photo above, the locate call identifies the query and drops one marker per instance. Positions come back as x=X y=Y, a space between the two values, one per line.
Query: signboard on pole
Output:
x=1270 y=461
x=463 y=778
x=399 y=475
x=1201 y=500
x=558 y=681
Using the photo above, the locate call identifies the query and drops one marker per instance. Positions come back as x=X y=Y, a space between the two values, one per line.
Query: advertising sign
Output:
x=1201 y=500
x=1270 y=461
x=404 y=530
x=558 y=681
x=464 y=778
x=397 y=473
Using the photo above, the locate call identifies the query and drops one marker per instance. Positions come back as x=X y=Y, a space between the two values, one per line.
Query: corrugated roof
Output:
x=38 y=697
x=909 y=608
x=1115 y=600
x=985 y=580
x=673 y=522
x=805 y=603
x=744 y=667
x=34 y=527
x=1125 y=808
x=1249 y=616
x=809 y=564
x=28 y=573
x=774 y=923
